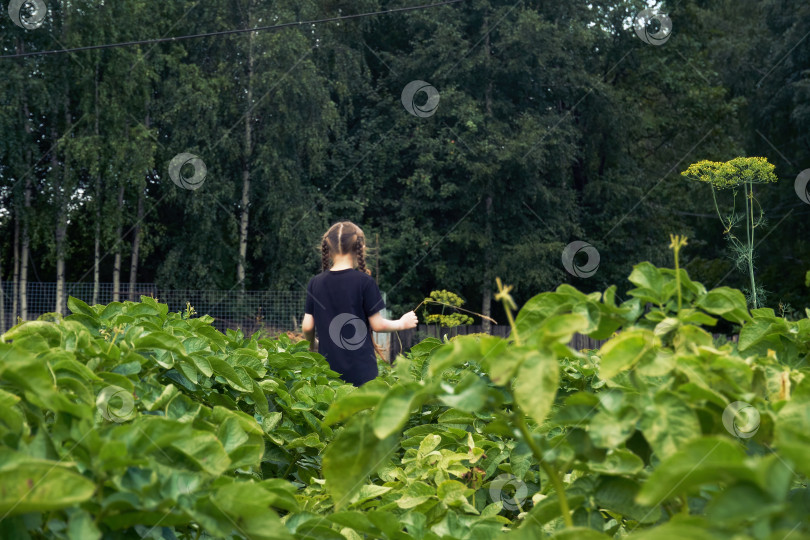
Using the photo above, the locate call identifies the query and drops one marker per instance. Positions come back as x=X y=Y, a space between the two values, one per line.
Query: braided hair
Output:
x=360 y=254
x=341 y=238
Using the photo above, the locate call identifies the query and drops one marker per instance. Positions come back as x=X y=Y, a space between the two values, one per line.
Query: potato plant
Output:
x=127 y=421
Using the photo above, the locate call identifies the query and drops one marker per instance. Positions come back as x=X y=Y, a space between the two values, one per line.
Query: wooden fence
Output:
x=409 y=338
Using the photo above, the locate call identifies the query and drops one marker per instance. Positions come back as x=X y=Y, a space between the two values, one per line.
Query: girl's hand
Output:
x=409 y=320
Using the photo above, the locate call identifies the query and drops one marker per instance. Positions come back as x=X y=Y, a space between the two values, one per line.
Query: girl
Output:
x=343 y=305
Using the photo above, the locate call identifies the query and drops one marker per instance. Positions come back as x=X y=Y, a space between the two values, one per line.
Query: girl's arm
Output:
x=308 y=327
x=379 y=324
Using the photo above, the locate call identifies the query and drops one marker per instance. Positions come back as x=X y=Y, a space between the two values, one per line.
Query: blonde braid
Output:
x=359 y=252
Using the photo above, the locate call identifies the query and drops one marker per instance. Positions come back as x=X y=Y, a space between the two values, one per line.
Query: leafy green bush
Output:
x=128 y=418
x=127 y=421
x=645 y=437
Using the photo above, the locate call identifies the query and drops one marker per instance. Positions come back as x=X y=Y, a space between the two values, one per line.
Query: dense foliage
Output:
x=127 y=421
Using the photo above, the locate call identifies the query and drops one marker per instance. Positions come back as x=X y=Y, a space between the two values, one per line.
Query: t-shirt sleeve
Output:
x=372 y=299
x=309 y=305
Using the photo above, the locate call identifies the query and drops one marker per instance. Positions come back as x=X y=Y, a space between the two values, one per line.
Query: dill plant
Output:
x=449 y=316
x=739 y=176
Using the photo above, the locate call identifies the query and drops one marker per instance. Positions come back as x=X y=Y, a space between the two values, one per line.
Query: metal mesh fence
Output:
x=273 y=311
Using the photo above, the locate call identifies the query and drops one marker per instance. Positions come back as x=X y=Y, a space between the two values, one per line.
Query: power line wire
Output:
x=228 y=32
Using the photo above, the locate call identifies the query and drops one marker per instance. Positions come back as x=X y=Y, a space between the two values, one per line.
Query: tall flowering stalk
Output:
x=738 y=175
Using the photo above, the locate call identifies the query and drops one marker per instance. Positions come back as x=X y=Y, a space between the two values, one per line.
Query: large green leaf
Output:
x=549 y=507
x=626 y=350
x=618 y=462
x=204 y=449
x=78 y=306
x=740 y=503
x=692 y=528
x=161 y=341
x=540 y=307
x=355 y=520
x=703 y=461
x=668 y=423
x=365 y=397
x=81 y=526
x=352 y=456
x=230 y=374
x=760 y=329
x=415 y=494
x=536 y=384
x=561 y=328
x=460 y=350
x=652 y=285
x=501 y=362
x=470 y=394
x=111 y=310
x=38 y=485
x=394 y=410
x=726 y=302
x=44 y=329
x=609 y=429
x=792 y=430
x=249 y=505
x=618 y=495
x=454 y=494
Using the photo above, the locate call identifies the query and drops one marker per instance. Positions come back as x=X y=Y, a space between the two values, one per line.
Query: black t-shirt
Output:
x=341 y=303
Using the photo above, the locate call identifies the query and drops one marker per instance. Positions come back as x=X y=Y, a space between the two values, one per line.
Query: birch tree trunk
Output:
x=248 y=150
x=61 y=234
x=58 y=229
x=97 y=240
x=61 y=221
x=21 y=267
x=136 y=239
x=62 y=189
x=16 y=270
x=26 y=243
x=136 y=244
x=118 y=241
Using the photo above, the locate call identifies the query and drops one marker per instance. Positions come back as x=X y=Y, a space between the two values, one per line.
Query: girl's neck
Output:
x=342 y=262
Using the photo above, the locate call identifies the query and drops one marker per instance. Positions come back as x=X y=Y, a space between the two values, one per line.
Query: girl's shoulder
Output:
x=365 y=278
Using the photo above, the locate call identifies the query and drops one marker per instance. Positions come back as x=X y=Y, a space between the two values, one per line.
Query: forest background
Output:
x=555 y=123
